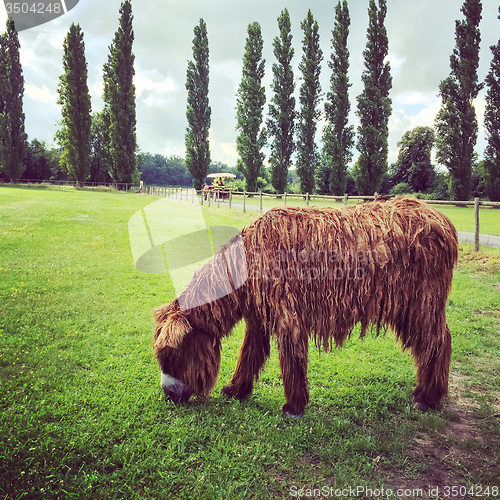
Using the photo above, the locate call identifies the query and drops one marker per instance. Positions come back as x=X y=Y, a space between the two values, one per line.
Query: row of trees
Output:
x=287 y=130
x=103 y=144
x=100 y=146
x=159 y=170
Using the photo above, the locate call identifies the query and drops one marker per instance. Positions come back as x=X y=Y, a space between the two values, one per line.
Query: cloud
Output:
x=145 y=79
x=43 y=94
x=480 y=106
x=229 y=149
x=426 y=117
x=27 y=57
x=412 y=97
x=3 y=18
x=395 y=63
x=154 y=89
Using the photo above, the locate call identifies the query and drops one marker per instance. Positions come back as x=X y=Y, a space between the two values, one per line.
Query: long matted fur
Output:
x=316 y=273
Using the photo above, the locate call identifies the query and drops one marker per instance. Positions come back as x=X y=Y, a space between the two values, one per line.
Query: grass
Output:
x=82 y=414
x=462 y=217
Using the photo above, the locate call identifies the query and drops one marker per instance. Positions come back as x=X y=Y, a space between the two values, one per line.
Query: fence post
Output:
x=284 y=198
x=307 y=199
x=230 y=198
x=476 y=218
x=218 y=199
x=244 y=201
x=345 y=199
x=260 y=202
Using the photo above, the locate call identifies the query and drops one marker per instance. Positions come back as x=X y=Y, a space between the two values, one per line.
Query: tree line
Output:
x=288 y=130
x=102 y=147
x=99 y=147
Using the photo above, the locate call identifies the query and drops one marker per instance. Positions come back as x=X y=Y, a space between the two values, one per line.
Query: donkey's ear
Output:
x=171 y=327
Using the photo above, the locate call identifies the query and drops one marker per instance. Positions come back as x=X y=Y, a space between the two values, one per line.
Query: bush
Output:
x=401 y=188
x=239 y=185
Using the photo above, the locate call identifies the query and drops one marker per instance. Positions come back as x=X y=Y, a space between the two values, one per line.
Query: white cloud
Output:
x=426 y=117
x=152 y=101
x=229 y=149
x=3 y=18
x=97 y=89
x=174 y=148
x=154 y=89
x=42 y=94
x=27 y=57
x=153 y=80
x=395 y=62
x=480 y=106
x=230 y=69
x=398 y=120
x=55 y=39
x=413 y=98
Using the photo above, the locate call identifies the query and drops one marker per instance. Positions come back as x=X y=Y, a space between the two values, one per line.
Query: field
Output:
x=82 y=414
x=462 y=217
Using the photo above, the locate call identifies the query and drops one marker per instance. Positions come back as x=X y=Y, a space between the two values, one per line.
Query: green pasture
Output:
x=82 y=414
x=462 y=217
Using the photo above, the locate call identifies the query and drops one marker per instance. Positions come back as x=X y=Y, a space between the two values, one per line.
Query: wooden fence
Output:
x=189 y=194
x=120 y=186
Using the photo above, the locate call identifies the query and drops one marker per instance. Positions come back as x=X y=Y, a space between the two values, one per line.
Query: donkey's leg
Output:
x=433 y=369
x=293 y=360
x=253 y=354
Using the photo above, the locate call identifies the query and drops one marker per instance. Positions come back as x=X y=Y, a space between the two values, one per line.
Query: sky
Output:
x=421 y=39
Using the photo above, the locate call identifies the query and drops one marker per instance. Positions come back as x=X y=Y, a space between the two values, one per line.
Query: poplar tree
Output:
x=74 y=98
x=492 y=125
x=4 y=93
x=374 y=104
x=309 y=98
x=456 y=122
x=13 y=138
x=119 y=99
x=338 y=136
x=250 y=102
x=281 y=121
x=198 y=111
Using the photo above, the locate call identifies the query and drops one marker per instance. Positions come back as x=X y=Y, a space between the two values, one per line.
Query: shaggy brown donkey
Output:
x=315 y=273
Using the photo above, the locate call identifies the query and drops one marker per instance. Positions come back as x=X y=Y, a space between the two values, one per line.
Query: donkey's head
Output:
x=189 y=355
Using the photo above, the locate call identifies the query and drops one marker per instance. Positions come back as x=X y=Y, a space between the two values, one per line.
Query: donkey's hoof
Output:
x=236 y=392
x=422 y=403
x=287 y=411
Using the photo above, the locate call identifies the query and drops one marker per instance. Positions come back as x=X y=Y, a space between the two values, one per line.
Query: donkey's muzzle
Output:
x=177 y=392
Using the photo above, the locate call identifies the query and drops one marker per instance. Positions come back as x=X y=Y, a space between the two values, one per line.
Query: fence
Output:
x=120 y=186
x=190 y=194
